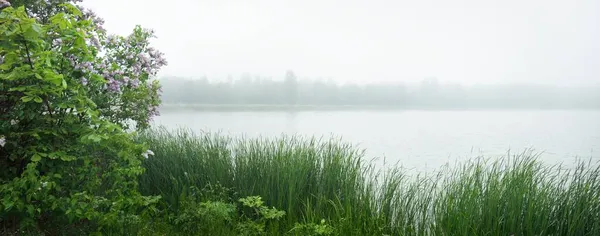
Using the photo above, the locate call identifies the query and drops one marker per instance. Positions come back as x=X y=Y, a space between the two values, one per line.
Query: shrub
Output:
x=204 y=217
x=210 y=212
x=68 y=91
x=312 y=229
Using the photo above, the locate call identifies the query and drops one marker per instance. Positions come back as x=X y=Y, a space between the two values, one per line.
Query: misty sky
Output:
x=466 y=41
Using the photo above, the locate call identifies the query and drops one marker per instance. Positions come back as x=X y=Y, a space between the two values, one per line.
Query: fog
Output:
x=467 y=42
x=428 y=94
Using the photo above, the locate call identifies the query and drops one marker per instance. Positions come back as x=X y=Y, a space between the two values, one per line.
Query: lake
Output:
x=419 y=140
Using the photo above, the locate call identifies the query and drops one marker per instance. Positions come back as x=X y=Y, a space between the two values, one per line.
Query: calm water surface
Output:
x=420 y=140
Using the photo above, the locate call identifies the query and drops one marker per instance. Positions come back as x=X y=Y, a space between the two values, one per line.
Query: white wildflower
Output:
x=2 y=141
x=44 y=184
x=14 y=122
x=148 y=152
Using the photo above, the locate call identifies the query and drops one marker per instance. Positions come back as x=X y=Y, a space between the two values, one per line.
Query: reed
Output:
x=314 y=179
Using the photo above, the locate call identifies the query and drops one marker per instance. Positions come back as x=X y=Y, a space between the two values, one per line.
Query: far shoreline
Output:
x=270 y=107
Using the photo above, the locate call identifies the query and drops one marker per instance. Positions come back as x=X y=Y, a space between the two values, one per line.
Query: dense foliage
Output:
x=68 y=91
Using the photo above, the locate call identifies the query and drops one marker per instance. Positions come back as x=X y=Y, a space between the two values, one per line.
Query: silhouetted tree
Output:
x=291 y=87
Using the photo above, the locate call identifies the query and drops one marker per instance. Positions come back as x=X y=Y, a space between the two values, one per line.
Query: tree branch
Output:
x=46 y=102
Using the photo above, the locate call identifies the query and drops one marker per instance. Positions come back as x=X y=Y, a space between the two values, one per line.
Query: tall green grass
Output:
x=313 y=179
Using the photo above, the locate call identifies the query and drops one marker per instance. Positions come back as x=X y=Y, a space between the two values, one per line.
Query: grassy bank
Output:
x=326 y=187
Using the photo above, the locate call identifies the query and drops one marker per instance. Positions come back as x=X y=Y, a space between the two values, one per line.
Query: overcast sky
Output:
x=466 y=41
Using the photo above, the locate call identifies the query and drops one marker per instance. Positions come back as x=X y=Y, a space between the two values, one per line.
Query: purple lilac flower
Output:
x=145 y=60
x=71 y=59
x=102 y=65
x=88 y=65
x=94 y=40
x=134 y=83
x=3 y=4
x=162 y=62
x=132 y=40
x=84 y=81
x=111 y=39
x=148 y=31
x=96 y=20
x=83 y=67
x=137 y=69
x=152 y=51
x=114 y=85
x=155 y=111
x=106 y=74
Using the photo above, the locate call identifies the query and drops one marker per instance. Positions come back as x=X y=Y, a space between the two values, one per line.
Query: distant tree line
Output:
x=249 y=90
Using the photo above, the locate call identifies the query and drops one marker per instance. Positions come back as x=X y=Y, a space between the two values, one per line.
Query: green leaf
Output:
x=53 y=78
x=95 y=137
x=26 y=98
x=36 y=27
x=64 y=83
x=7 y=204
x=9 y=59
x=36 y=157
x=59 y=19
x=79 y=42
x=72 y=9
x=30 y=210
x=38 y=99
x=31 y=32
x=67 y=158
x=20 y=89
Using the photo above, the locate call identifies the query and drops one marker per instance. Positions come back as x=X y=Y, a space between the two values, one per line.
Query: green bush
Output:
x=312 y=229
x=204 y=217
x=66 y=158
x=218 y=216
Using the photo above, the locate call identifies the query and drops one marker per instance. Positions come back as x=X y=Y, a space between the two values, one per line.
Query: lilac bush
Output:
x=68 y=92
x=119 y=70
